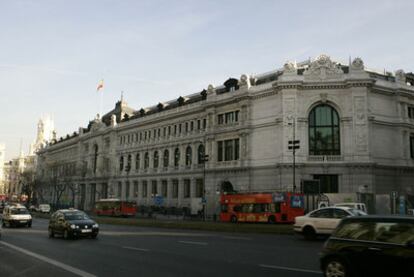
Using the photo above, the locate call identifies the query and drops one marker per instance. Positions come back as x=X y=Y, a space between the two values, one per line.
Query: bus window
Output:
x=258 y=208
x=237 y=208
x=247 y=208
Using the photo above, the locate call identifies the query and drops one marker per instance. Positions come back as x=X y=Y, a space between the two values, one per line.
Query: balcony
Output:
x=326 y=158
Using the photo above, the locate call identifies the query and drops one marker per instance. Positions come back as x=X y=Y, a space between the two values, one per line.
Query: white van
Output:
x=16 y=215
x=358 y=206
x=44 y=208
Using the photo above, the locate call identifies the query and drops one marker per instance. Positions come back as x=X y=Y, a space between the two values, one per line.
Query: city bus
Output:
x=267 y=207
x=115 y=207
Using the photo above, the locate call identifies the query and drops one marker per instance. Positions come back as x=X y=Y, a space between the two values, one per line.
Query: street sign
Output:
x=294 y=144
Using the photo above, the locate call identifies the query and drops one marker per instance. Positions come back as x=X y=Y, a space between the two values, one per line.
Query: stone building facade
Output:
x=354 y=127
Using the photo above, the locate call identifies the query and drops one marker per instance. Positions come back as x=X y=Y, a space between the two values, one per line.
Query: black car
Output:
x=370 y=246
x=72 y=223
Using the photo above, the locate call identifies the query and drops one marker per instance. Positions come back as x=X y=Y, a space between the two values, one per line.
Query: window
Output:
x=137 y=161
x=166 y=158
x=412 y=146
x=327 y=183
x=127 y=189
x=198 y=124
x=154 y=188
x=128 y=166
x=204 y=123
x=325 y=213
x=220 y=119
x=135 y=188
x=191 y=125
x=186 y=127
x=164 y=188
x=200 y=155
x=95 y=158
x=176 y=157
x=121 y=163
x=156 y=159
x=324 y=131
x=199 y=188
x=394 y=232
x=119 y=190
x=338 y=213
x=187 y=188
x=410 y=112
x=146 y=160
x=228 y=118
x=188 y=154
x=175 y=188
x=228 y=150
x=144 y=189
x=356 y=230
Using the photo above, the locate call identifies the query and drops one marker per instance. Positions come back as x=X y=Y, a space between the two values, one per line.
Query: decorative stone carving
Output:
x=210 y=89
x=289 y=68
x=244 y=81
x=113 y=120
x=400 y=76
x=357 y=64
x=324 y=97
x=322 y=69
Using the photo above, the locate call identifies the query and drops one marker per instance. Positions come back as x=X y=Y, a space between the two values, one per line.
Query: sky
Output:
x=53 y=53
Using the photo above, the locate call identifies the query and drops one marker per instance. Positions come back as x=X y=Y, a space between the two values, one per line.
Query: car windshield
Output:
x=75 y=216
x=357 y=212
x=19 y=211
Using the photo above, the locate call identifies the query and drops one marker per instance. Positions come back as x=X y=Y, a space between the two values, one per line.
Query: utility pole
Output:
x=293 y=145
x=205 y=160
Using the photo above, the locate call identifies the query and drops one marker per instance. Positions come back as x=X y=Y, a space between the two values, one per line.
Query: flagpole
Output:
x=100 y=105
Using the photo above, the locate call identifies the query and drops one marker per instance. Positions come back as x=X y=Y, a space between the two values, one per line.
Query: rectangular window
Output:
x=204 y=123
x=198 y=124
x=410 y=112
x=154 y=189
x=169 y=130
x=220 y=119
x=199 y=188
x=219 y=151
x=236 y=149
x=135 y=188
x=144 y=189
x=228 y=150
x=175 y=129
x=164 y=188
x=119 y=189
x=412 y=146
x=175 y=188
x=179 y=128
x=127 y=189
x=191 y=125
x=164 y=133
x=327 y=183
x=187 y=188
x=186 y=127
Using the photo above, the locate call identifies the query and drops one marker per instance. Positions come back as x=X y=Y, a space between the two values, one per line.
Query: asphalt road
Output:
x=135 y=251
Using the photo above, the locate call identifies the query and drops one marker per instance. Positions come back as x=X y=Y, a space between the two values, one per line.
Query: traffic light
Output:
x=205 y=158
x=293 y=144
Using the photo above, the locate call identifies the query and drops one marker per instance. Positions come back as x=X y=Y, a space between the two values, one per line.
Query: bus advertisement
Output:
x=115 y=207
x=276 y=207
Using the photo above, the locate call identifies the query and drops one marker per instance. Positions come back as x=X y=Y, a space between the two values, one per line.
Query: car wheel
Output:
x=66 y=234
x=94 y=236
x=309 y=233
x=336 y=267
x=51 y=233
x=29 y=225
x=233 y=219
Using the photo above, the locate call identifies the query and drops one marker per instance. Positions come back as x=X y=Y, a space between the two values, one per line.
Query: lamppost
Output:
x=293 y=145
x=205 y=160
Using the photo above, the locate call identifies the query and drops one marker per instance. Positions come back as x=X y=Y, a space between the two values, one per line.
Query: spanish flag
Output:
x=100 y=85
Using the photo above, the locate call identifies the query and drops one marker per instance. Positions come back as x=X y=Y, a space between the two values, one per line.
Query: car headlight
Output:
x=95 y=225
x=73 y=226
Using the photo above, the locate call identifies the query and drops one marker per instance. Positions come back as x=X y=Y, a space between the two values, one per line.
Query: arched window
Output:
x=137 y=161
x=176 y=157
x=166 y=158
x=324 y=131
x=146 y=160
x=188 y=154
x=156 y=160
x=201 y=153
x=121 y=163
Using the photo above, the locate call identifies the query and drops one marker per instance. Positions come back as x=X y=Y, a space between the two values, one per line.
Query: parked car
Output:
x=44 y=208
x=358 y=206
x=72 y=223
x=370 y=246
x=16 y=215
x=322 y=221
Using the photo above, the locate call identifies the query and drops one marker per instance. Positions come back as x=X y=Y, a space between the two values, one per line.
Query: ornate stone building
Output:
x=354 y=127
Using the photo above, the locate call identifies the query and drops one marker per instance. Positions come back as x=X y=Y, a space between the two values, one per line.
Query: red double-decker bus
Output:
x=115 y=207
x=261 y=207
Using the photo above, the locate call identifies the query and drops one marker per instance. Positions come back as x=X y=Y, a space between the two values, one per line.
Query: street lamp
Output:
x=205 y=160
x=293 y=145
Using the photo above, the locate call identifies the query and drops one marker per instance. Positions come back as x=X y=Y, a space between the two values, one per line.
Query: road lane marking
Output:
x=171 y=234
x=66 y=267
x=236 y=238
x=290 y=268
x=193 y=242
x=134 y=248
